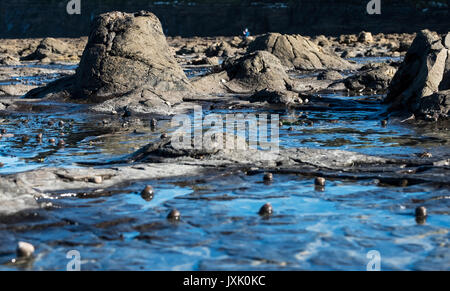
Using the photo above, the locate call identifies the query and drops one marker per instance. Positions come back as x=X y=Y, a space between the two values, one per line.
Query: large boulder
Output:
x=376 y=78
x=298 y=52
x=126 y=51
x=126 y=61
x=420 y=75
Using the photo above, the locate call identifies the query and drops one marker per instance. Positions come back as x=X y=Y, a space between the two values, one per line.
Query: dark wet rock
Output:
x=25 y=250
x=135 y=43
x=268 y=177
x=319 y=181
x=435 y=106
x=276 y=97
x=174 y=214
x=49 y=49
x=147 y=193
x=266 y=210
x=420 y=76
x=298 y=52
x=421 y=211
x=376 y=79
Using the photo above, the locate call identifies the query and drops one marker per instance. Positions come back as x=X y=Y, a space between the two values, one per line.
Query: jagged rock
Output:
x=298 y=52
x=420 y=75
x=126 y=56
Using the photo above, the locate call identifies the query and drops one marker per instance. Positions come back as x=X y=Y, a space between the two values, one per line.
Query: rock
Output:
x=266 y=210
x=24 y=249
x=319 y=181
x=257 y=71
x=376 y=79
x=9 y=60
x=365 y=37
x=298 y=52
x=329 y=75
x=420 y=75
x=275 y=97
x=268 y=177
x=421 y=211
x=174 y=214
x=435 y=106
x=50 y=49
x=126 y=56
x=135 y=43
x=222 y=49
x=147 y=193
x=447 y=41
x=15 y=196
x=15 y=90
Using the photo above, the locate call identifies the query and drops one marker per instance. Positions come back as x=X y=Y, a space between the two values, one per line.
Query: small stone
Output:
x=174 y=215
x=147 y=193
x=61 y=123
x=164 y=135
x=61 y=143
x=384 y=123
x=266 y=209
x=319 y=181
x=97 y=180
x=39 y=137
x=1 y=165
x=268 y=177
x=52 y=140
x=3 y=131
x=421 y=211
x=24 y=249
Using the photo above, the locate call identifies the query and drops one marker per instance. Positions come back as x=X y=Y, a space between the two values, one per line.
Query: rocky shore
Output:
x=128 y=78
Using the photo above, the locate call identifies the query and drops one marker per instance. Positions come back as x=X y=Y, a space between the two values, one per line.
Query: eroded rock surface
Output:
x=298 y=52
x=421 y=75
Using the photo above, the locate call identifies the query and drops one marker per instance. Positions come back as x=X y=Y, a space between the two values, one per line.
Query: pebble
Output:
x=164 y=135
x=425 y=155
x=320 y=181
x=1 y=165
x=97 y=180
x=266 y=209
x=384 y=123
x=3 y=131
x=147 y=193
x=268 y=177
x=174 y=215
x=24 y=249
x=61 y=143
x=39 y=137
x=52 y=140
x=421 y=211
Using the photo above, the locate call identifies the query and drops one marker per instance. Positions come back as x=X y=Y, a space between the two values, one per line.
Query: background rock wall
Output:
x=34 y=18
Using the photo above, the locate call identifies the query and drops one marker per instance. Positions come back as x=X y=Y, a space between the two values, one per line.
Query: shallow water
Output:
x=314 y=229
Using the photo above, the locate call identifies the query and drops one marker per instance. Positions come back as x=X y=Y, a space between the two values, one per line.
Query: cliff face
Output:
x=31 y=18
